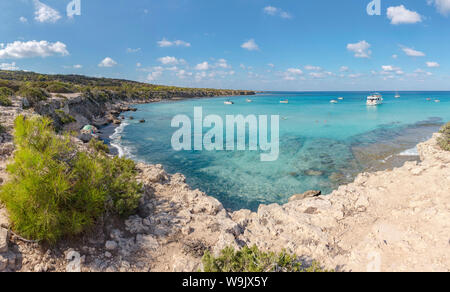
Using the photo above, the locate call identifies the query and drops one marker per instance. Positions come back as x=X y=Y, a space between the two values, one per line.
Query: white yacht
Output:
x=340 y=98
x=228 y=102
x=284 y=101
x=334 y=101
x=248 y=100
x=397 y=95
x=375 y=99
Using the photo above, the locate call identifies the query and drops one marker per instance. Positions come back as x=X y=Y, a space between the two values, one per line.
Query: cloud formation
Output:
x=107 y=63
x=401 y=15
x=274 y=11
x=31 y=49
x=443 y=6
x=250 y=45
x=164 y=43
x=413 y=53
x=8 y=66
x=360 y=49
x=44 y=13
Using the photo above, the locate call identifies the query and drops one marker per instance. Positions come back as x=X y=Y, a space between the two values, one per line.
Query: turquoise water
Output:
x=322 y=145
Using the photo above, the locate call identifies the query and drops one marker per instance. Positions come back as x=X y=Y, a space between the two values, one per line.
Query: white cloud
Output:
x=77 y=66
x=44 y=13
x=23 y=19
x=8 y=66
x=292 y=73
x=389 y=68
x=401 y=15
x=344 y=69
x=443 y=6
x=222 y=63
x=360 y=49
x=178 y=43
x=202 y=66
x=320 y=75
x=131 y=51
x=271 y=65
x=168 y=60
x=313 y=68
x=250 y=45
x=31 y=49
x=274 y=11
x=183 y=74
x=295 y=71
x=356 y=75
x=107 y=63
x=138 y=65
x=413 y=53
x=394 y=56
x=433 y=65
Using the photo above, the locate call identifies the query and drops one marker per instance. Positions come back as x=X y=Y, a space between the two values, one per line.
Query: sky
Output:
x=279 y=45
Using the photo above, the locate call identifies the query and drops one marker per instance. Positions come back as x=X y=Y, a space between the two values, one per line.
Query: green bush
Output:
x=64 y=118
x=99 y=146
x=56 y=191
x=5 y=96
x=33 y=94
x=254 y=261
x=444 y=140
x=59 y=87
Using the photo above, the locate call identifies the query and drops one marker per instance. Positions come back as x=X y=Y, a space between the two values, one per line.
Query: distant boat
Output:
x=397 y=95
x=248 y=100
x=284 y=101
x=437 y=100
x=428 y=99
x=375 y=99
x=340 y=98
x=228 y=102
x=334 y=101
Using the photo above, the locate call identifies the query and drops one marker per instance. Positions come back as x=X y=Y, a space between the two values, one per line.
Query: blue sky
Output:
x=243 y=44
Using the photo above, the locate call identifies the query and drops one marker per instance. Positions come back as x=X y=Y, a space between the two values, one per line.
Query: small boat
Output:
x=429 y=99
x=397 y=95
x=375 y=99
x=228 y=102
x=284 y=101
x=248 y=100
x=334 y=101
x=340 y=98
x=437 y=101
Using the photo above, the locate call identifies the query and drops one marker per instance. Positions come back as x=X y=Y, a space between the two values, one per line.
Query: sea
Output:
x=322 y=145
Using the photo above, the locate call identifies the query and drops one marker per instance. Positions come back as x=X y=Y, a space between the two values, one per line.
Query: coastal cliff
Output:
x=393 y=220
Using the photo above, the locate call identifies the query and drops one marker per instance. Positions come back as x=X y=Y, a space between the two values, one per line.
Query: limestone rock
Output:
x=111 y=245
x=4 y=238
x=308 y=194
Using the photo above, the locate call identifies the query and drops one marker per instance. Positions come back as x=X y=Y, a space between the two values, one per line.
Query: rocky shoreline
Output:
x=393 y=220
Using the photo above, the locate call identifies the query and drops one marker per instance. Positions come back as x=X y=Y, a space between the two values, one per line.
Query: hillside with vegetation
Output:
x=36 y=87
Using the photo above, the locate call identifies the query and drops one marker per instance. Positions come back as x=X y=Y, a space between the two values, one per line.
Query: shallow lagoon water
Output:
x=322 y=145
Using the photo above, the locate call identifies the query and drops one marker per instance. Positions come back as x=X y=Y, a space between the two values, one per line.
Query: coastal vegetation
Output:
x=251 y=259
x=36 y=87
x=444 y=140
x=55 y=190
x=5 y=96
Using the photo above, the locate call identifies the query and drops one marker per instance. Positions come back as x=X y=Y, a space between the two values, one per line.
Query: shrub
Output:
x=59 y=87
x=64 y=118
x=5 y=96
x=253 y=260
x=99 y=146
x=56 y=191
x=444 y=140
x=33 y=94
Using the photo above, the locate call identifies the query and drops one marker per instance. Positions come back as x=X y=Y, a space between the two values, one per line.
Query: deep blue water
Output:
x=322 y=145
